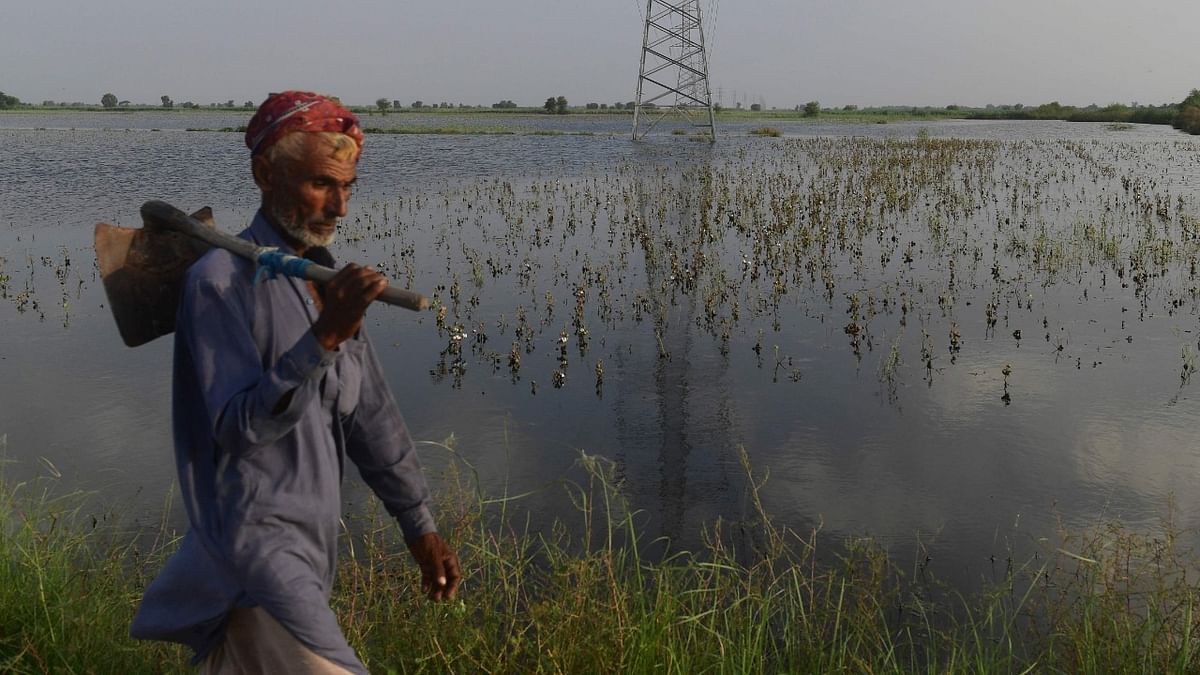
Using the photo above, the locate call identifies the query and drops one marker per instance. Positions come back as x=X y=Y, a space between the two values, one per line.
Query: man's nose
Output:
x=338 y=202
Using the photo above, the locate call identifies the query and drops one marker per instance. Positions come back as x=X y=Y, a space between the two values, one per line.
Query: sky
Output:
x=778 y=52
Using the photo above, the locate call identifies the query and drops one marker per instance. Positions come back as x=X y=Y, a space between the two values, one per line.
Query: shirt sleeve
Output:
x=241 y=393
x=378 y=443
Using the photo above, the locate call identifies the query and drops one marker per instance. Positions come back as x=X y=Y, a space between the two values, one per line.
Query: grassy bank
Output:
x=68 y=587
x=581 y=598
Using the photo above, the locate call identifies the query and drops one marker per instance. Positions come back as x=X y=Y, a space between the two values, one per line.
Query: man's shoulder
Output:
x=220 y=268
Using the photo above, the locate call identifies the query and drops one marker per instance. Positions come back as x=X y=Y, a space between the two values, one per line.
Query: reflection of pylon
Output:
x=674 y=64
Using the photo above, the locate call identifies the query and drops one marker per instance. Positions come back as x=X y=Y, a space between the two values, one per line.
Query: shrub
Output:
x=766 y=131
x=1188 y=120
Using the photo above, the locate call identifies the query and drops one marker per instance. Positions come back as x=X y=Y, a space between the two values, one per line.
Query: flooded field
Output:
x=949 y=336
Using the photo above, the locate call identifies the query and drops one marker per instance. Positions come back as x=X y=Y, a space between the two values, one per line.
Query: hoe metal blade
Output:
x=143 y=270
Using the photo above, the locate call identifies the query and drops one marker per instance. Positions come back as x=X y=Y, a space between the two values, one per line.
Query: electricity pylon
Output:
x=674 y=68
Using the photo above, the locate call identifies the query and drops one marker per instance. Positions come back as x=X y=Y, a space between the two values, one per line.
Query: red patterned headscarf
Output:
x=290 y=111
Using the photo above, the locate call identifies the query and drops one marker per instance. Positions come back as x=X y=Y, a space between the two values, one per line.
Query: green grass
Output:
x=68 y=587
x=582 y=598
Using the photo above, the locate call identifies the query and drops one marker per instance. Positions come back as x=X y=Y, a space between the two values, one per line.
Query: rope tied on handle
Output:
x=273 y=262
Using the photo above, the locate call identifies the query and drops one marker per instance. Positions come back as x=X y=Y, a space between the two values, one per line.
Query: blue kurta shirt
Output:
x=262 y=486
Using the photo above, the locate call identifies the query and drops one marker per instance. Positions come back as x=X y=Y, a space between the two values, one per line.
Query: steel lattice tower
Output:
x=674 y=66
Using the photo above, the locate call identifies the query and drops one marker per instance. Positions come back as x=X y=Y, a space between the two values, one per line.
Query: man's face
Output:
x=307 y=196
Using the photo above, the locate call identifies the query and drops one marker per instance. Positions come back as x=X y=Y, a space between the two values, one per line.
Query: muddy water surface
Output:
x=950 y=336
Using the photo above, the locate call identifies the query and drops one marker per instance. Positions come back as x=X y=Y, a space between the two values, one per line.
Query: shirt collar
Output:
x=264 y=234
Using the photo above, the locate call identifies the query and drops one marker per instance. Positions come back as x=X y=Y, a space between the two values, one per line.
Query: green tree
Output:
x=108 y=101
x=1050 y=111
x=166 y=101
x=1188 y=118
x=550 y=105
x=812 y=109
x=8 y=101
x=560 y=105
x=418 y=104
x=383 y=104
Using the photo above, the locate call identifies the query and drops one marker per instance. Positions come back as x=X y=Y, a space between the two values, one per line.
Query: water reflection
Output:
x=692 y=428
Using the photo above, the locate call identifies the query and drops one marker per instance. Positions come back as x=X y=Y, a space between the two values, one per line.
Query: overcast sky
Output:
x=782 y=52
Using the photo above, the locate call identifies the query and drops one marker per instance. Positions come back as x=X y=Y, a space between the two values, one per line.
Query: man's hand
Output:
x=439 y=566
x=345 y=302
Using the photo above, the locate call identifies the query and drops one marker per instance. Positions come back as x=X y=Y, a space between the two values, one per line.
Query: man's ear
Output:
x=265 y=175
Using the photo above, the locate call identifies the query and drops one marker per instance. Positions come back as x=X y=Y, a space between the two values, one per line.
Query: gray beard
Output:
x=300 y=233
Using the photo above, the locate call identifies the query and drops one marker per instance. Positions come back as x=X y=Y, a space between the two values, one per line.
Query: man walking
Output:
x=275 y=384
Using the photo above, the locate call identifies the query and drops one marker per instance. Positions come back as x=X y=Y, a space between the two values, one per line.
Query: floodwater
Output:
x=954 y=337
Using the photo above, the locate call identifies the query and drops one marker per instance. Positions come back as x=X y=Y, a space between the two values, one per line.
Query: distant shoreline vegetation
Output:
x=1184 y=115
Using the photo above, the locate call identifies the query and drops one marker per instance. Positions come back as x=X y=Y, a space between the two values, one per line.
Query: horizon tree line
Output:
x=1184 y=115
